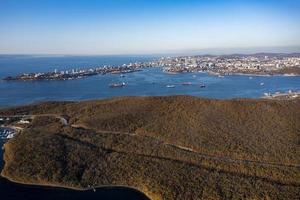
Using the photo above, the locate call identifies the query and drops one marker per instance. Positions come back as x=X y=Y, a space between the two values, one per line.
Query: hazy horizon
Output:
x=149 y=27
x=215 y=51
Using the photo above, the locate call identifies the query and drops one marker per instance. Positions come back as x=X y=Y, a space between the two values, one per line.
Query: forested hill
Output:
x=176 y=147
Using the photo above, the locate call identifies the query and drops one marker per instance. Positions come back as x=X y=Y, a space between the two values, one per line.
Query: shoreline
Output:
x=128 y=161
x=61 y=186
x=52 y=185
x=285 y=96
x=55 y=76
x=211 y=73
x=262 y=75
x=108 y=98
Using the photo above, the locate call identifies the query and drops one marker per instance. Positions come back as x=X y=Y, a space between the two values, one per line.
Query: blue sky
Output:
x=146 y=26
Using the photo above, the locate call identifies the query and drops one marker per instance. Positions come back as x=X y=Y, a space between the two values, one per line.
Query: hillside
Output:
x=177 y=147
x=291 y=70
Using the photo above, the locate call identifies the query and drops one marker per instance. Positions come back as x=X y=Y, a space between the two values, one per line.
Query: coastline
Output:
x=252 y=74
x=61 y=186
x=75 y=188
x=263 y=75
x=54 y=185
x=282 y=96
x=129 y=174
x=211 y=73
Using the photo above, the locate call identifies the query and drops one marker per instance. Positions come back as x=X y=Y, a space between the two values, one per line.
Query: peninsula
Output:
x=78 y=73
x=263 y=64
x=175 y=147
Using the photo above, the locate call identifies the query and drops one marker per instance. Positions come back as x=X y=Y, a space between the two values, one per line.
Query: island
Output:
x=172 y=147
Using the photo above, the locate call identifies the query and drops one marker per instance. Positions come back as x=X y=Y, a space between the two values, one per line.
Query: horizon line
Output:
x=204 y=51
x=138 y=55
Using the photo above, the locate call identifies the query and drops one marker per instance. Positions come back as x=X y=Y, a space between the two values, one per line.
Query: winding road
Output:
x=207 y=156
x=64 y=121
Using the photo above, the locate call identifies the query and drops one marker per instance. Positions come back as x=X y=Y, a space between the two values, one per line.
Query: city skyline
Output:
x=148 y=27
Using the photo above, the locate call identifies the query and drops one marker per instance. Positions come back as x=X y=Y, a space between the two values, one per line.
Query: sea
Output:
x=148 y=82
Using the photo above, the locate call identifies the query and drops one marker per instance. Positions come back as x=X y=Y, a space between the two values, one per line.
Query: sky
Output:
x=147 y=26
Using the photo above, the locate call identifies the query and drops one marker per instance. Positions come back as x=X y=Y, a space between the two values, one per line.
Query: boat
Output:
x=113 y=85
x=250 y=77
x=122 y=75
x=262 y=83
x=220 y=76
x=170 y=86
x=186 y=83
x=171 y=72
x=202 y=85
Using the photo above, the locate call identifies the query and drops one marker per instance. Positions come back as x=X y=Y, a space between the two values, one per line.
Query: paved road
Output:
x=228 y=159
x=212 y=157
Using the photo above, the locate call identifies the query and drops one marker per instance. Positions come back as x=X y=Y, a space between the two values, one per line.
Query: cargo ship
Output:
x=114 y=85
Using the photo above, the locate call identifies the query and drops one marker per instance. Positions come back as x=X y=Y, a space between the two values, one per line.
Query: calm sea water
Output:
x=147 y=82
x=18 y=93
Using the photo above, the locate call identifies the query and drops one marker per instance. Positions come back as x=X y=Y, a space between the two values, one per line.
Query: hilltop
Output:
x=176 y=147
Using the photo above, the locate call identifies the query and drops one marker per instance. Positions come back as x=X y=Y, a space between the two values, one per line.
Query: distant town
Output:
x=264 y=64
x=237 y=64
x=79 y=73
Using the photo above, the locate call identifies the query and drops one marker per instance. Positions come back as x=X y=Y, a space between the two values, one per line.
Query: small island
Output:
x=175 y=147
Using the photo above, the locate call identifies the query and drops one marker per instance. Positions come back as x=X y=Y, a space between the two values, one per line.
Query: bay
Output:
x=150 y=81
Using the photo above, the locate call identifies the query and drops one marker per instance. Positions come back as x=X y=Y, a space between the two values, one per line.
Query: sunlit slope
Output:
x=176 y=147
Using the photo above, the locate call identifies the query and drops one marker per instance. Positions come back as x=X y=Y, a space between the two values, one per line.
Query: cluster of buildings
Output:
x=259 y=64
x=233 y=64
x=79 y=73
